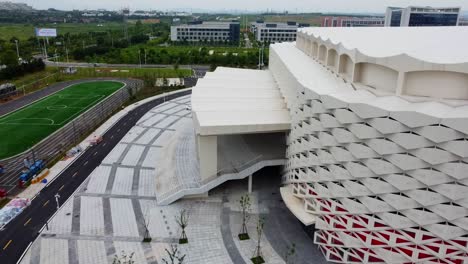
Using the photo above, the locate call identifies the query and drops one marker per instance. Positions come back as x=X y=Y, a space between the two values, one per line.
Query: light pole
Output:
x=57 y=196
x=139 y=56
x=17 y=49
x=66 y=50
x=145 y=56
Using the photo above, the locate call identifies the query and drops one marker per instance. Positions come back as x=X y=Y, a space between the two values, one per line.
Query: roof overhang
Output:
x=238 y=101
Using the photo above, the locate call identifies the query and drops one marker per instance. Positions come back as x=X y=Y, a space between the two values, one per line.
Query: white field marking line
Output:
x=33 y=105
x=30 y=124
x=83 y=108
x=99 y=97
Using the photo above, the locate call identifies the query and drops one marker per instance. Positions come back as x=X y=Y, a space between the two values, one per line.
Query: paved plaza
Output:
x=106 y=215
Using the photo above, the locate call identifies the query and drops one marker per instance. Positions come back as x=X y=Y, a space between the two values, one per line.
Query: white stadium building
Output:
x=371 y=128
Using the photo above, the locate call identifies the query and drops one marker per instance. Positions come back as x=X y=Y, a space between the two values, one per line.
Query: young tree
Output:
x=257 y=257
x=146 y=222
x=245 y=206
x=290 y=254
x=182 y=220
x=175 y=256
x=124 y=258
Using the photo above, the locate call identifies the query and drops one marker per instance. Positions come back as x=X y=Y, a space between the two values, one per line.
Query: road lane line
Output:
x=118 y=130
x=95 y=153
x=112 y=137
x=61 y=187
x=125 y=123
x=74 y=174
x=46 y=203
x=104 y=144
x=86 y=163
x=27 y=222
x=7 y=244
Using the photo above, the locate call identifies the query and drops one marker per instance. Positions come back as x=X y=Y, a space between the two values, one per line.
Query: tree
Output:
x=124 y=258
x=9 y=58
x=182 y=220
x=257 y=257
x=146 y=222
x=245 y=206
x=175 y=256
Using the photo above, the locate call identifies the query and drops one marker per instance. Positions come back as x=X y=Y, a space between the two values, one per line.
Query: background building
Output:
x=343 y=21
x=463 y=21
x=414 y=16
x=275 y=32
x=206 y=31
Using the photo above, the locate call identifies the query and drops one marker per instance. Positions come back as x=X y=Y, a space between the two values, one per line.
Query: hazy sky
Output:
x=253 y=5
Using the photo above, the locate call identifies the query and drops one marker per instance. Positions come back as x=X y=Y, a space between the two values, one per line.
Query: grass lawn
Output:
x=25 y=31
x=24 y=128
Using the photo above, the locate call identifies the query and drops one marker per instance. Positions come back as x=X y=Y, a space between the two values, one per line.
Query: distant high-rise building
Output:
x=343 y=21
x=414 y=16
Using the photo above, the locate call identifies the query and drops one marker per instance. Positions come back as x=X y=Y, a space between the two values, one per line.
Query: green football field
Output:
x=25 y=127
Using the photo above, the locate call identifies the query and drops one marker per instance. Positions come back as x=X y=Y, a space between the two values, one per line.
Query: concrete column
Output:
x=401 y=83
x=250 y=184
x=356 y=72
x=208 y=156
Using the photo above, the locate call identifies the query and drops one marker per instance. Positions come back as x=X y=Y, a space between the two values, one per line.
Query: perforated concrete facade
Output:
x=386 y=178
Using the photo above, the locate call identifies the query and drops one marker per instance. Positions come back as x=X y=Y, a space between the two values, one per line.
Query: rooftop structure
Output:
x=418 y=16
x=206 y=31
x=343 y=21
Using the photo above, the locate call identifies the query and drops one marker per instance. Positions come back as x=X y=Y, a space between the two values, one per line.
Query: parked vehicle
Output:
x=29 y=173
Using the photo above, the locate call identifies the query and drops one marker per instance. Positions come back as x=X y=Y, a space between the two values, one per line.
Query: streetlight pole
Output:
x=145 y=56
x=57 y=196
x=17 y=49
x=66 y=50
x=139 y=56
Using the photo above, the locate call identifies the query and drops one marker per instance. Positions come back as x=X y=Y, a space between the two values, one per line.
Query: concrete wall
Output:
x=346 y=67
x=437 y=84
x=208 y=156
x=376 y=76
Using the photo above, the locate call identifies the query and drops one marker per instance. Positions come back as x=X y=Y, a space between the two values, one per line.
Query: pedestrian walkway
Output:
x=107 y=215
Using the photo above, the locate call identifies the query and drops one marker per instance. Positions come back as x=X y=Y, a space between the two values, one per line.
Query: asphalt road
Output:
x=24 y=229
x=106 y=65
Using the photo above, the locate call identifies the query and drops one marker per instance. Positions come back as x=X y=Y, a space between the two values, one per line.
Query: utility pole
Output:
x=145 y=56
x=66 y=50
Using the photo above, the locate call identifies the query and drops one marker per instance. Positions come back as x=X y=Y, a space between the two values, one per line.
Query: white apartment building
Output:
x=206 y=31
x=274 y=32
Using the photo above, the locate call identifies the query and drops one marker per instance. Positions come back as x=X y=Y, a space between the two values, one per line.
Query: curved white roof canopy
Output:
x=417 y=42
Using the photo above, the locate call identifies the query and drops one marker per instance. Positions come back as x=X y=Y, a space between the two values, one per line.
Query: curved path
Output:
x=24 y=228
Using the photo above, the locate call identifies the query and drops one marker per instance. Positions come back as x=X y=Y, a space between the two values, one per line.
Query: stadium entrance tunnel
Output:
x=239 y=155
